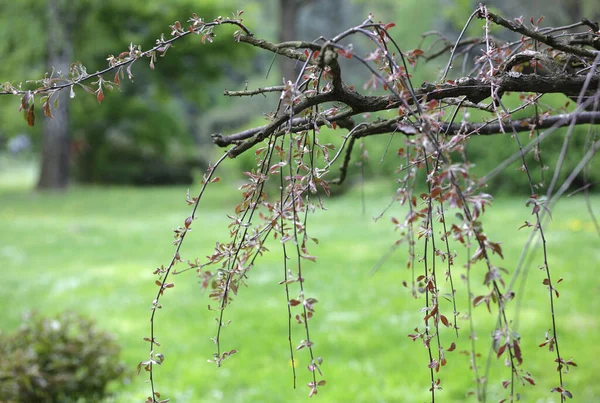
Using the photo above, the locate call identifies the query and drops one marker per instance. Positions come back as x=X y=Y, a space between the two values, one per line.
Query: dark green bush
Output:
x=152 y=146
x=61 y=359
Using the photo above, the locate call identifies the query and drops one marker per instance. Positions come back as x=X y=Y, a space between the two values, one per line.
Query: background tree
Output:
x=435 y=123
x=56 y=145
x=123 y=143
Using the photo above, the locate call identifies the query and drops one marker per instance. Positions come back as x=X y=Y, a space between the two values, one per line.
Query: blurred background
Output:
x=87 y=200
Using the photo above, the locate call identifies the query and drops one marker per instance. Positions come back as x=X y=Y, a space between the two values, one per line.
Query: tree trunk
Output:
x=288 y=13
x=54 y=172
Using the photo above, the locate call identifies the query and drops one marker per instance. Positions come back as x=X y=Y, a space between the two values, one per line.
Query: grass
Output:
x=93 y=250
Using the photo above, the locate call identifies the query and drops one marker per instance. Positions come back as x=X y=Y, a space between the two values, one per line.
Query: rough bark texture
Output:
x=54 y=172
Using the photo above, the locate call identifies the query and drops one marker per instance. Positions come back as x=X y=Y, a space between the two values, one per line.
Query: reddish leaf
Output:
x=478 y=300
x=517 y=351
x=501 y=349
x=30 y=116
x=46 y=108
x=100 y=95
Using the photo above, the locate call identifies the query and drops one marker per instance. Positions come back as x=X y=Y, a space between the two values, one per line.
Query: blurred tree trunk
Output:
x=288 y=16
x=54 y=172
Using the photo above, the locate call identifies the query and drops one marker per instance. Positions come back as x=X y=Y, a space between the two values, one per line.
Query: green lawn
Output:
x=93 y=250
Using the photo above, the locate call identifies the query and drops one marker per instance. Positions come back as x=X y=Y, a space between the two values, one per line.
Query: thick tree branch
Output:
x=473 y=89
x=522 y=125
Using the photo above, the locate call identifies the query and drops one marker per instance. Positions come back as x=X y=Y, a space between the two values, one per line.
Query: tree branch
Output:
x=547 y=39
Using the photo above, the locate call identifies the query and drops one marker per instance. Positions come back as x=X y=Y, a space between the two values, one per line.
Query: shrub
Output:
x=59 y=359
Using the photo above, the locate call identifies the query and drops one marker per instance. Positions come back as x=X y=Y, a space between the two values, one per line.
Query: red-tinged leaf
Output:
x=169 y=285
x=431 y=314
x=505 y=384
x=567 y=394
x=25 y=101
x=452 y=347
x=546 y=281
x=530 y=380
x=389 y=25
x=444 y=320
x=334 y=125
x=309 y=257
x=294 y=302
x=31 y=116
x=188 y=222
x=100 y=95
x=322 y=383
x=275 y=167
x=517 y=351
x=158 y=283
x=478 y=300
x=501 y=350
x=417 y=52
x=116 y=80
x=215 y=180
x=46 y=108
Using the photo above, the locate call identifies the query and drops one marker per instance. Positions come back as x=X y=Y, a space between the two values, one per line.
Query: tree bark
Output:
x=54 y=172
